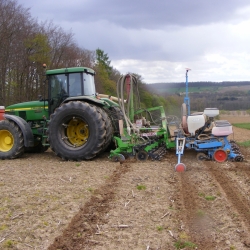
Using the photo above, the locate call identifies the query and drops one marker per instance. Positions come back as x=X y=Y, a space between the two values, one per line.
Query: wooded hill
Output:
x=180 y=87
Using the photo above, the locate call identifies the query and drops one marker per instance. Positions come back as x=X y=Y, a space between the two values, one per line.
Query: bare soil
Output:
x=47 y=203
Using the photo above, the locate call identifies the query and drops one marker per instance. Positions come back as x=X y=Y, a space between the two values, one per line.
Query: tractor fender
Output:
x=87 y=99
x=25 y=128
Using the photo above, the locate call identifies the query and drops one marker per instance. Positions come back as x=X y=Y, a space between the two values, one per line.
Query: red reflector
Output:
x=2 y=112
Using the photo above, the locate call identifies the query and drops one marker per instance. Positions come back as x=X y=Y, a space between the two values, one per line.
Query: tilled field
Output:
x=51 y=204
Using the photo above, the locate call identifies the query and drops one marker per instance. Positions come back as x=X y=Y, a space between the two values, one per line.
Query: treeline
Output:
x=198 y=84
x=26 y=45
x=208 y=94
x=227 y=101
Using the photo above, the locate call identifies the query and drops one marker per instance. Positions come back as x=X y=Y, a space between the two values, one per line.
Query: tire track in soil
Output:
x=235 y=197
x=83 y=225
x=199 y=234
x=241 y=166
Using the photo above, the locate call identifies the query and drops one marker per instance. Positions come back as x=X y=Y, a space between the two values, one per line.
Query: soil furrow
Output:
x=194 y=217
x=234 y=195
x=100 y=204
x=84 y=224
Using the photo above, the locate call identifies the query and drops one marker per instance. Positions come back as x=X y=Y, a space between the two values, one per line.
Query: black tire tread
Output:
x=99 y=139
x=18 y=148
x=108 y=127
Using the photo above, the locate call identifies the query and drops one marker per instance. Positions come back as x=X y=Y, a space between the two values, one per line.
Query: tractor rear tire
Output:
x=11 y=140
x=109 y=129
x=116 y=115
x=79 y=131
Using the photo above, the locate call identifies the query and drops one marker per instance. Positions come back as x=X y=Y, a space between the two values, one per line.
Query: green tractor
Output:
x=73 y=121
x=79 y=124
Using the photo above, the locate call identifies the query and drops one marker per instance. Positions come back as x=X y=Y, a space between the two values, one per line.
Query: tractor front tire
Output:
x=79 y=131
x=11 y=140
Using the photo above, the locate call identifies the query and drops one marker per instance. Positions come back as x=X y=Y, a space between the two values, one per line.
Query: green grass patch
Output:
x=242 y=125
x=184 y=244
x=159 y=228
x=141 y=187
x=3 y=227
x=202 y=195
x=210 y=197
x=200 y=213
x=9 y=243
x=207 y=197
x=90 y=189
x=245 y=144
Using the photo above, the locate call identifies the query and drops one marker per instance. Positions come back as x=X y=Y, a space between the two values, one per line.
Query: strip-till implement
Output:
x=145 y=132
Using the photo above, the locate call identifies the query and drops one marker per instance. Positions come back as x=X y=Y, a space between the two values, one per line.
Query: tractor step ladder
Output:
x=45 y=137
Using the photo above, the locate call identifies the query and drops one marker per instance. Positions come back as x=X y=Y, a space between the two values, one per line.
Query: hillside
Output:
x=198 y=87
x=222 y=95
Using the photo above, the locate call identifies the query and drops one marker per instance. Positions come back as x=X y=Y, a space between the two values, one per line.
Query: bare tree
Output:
x=25 y=46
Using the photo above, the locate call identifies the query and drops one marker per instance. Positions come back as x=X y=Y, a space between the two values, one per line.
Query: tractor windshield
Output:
x=66 y=85
x=88 y=84
x=81 y=84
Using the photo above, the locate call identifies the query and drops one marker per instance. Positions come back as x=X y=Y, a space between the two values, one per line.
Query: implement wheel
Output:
x=11 y=140
x=142 y=155
x=180 y=167
x=79 y=131
x=220 y=155
x=201 y=157
x=118 y=158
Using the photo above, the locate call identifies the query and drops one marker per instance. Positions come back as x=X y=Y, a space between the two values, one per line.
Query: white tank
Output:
x=211 y=112
x=222 y=128
x=195 y=122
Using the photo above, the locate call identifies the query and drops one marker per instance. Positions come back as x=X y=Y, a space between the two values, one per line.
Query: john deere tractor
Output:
x=78 y=124
x=73 y=121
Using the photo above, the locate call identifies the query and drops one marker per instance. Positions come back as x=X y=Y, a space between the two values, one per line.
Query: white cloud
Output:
x=159 y=39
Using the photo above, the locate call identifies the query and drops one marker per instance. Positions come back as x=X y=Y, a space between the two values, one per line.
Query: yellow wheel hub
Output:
x=6 y=141
x=77 y=132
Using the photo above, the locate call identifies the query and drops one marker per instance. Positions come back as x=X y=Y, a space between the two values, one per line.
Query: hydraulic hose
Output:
x=121 y=84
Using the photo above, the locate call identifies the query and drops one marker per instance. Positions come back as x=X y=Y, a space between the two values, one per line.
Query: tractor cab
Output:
x=69 y=82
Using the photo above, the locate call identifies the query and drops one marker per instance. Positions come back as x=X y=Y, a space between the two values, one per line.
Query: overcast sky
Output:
x=158 y=39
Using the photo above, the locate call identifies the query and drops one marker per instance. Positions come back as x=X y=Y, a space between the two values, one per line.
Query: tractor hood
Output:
x=34 y=105
x=29 y=111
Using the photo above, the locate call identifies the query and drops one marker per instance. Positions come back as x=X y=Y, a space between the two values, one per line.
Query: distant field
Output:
x=172 y=90
x=236 y=117
x=242 y=125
